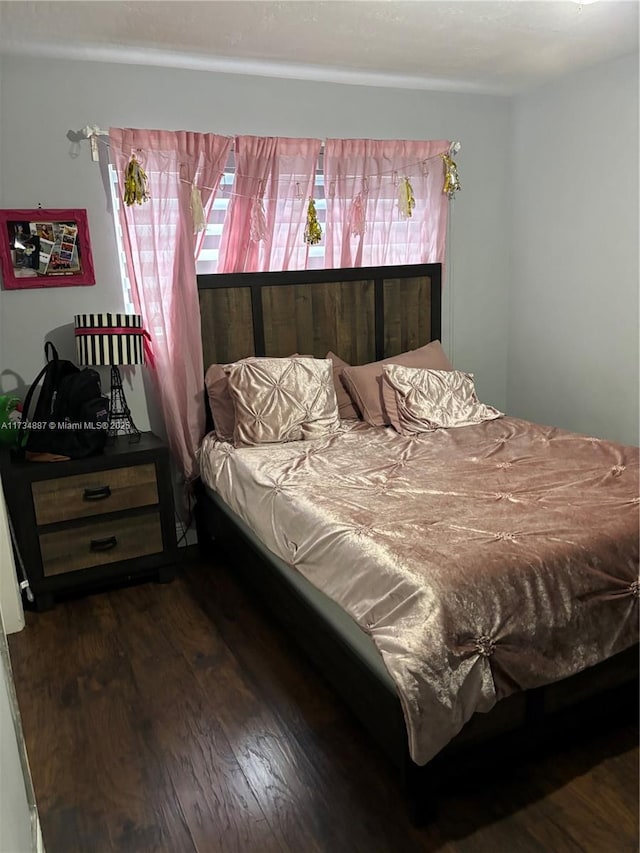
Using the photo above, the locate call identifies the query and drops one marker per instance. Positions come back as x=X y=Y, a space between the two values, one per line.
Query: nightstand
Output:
x=89 y=522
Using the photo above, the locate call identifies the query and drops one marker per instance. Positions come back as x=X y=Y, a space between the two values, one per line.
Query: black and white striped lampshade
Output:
x=109 y=339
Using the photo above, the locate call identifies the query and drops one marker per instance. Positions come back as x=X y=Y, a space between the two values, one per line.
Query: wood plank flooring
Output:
x=176 y=718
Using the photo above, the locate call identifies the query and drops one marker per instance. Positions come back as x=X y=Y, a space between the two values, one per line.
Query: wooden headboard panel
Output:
x=361 y=314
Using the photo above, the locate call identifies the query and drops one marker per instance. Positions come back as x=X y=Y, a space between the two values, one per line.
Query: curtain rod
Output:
x=93 y=131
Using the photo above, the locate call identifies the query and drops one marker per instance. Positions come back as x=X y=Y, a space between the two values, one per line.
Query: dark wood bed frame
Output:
x=363 y=315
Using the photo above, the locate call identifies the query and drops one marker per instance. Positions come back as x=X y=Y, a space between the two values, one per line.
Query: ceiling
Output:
x=463 y=45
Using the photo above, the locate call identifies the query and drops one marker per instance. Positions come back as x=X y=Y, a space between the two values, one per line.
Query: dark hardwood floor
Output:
x=176 y=718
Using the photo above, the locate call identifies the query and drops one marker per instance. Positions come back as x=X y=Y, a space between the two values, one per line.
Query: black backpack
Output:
x=71 y=416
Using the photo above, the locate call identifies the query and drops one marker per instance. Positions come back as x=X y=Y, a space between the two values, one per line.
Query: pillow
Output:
x=346 y=408
x=282 y=399
x=428 y=399
x=366 y=388
x=220 y=401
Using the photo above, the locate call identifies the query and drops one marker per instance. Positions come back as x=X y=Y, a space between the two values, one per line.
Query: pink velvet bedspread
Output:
x=481 y=560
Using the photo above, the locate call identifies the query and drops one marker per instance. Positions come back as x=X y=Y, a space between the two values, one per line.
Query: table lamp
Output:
x=113 y=339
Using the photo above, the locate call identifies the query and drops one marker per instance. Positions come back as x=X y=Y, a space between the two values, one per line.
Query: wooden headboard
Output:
x=361 y=314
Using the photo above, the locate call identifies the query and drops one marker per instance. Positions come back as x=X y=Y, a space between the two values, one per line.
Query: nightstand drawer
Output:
x=97 y=544
x=93 y=522
x=65 y=498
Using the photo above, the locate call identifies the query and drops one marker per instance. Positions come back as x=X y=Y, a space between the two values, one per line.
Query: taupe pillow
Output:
x=220 y=402
x=282 y=399
x=367 y=390
x=429 y=399
x=346 y=408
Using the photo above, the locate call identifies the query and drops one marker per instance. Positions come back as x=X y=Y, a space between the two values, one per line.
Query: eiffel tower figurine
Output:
x=120 y=420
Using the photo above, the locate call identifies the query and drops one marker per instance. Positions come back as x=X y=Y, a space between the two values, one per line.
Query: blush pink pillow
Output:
x=220 y=401
x=375 y=398
x=346 y=409
x=216 y=380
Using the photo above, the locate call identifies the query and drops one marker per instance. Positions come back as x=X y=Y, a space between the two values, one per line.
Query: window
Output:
x=208 y=258
x=124 y=276
x=395 y=237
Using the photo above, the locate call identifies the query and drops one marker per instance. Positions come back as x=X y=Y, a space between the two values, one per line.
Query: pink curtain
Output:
x=362 y=181
x=266 y=218
x=160 y=247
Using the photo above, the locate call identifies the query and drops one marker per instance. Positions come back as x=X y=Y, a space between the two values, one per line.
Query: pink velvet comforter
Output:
x=481 y=560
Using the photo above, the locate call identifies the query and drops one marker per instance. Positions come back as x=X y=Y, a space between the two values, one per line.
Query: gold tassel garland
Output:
x=451 y=179
x=357 y=217
x=197 y=210
x=313 y=231
x=135 y=183
x=258 y=224
x=406 y=199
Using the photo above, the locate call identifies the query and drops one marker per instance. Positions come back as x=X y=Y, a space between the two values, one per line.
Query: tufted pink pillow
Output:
x=216 y=380
x=376 y=399
x=345 y=404
x=282 y=399
x=430 y=399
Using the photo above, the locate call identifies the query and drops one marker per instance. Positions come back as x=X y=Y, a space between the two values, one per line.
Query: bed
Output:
x=495 y=701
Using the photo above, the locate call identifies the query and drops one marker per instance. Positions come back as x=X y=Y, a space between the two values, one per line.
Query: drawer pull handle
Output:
x=98 y=493
x=105 y=544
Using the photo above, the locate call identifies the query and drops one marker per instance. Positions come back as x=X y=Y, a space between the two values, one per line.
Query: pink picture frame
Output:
x=45 y=248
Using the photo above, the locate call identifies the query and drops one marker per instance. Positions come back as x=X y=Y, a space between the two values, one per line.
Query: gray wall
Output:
x=573 y=318
x=543 y=252
x=35 y=168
